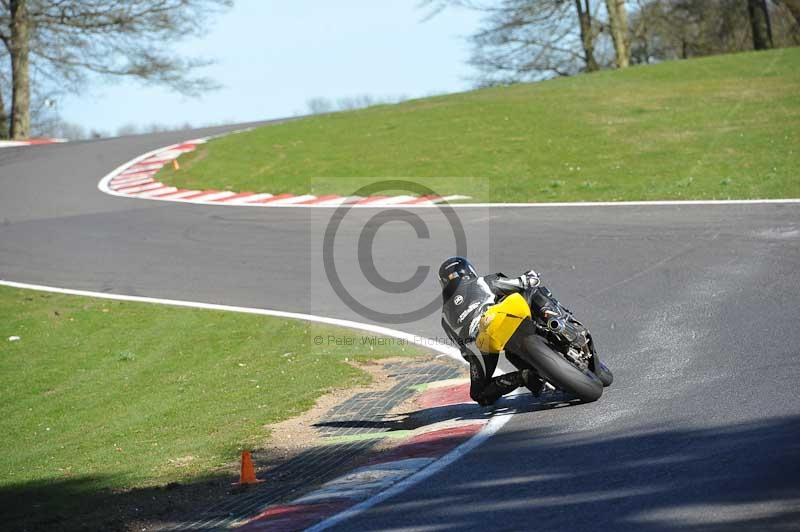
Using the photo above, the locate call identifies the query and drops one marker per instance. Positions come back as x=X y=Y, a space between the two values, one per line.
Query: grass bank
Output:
x=712 y=128
x=107 y=395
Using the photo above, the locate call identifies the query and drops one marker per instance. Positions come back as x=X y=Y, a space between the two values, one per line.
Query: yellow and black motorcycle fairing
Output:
x=499 y=322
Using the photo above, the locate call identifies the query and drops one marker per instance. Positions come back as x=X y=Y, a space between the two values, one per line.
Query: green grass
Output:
x=717 y=127
x=126 y=395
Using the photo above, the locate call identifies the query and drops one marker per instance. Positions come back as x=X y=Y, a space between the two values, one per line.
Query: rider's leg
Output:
x=501 y=385
x=484 y=389
x=477 y=376
x=531 y=379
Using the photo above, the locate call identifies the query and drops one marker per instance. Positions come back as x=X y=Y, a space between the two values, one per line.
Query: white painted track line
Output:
x=655 y=203
x=32 y=142
x=377 y=329
x=496 y=422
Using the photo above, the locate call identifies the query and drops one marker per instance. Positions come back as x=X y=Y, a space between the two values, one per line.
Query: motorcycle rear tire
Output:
x=555 y=369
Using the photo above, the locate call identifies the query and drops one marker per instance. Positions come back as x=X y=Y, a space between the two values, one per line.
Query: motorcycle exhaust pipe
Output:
x=556 y=325
x=560 y=326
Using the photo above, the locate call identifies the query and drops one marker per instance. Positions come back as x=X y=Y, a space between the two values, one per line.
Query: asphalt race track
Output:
x=696 y=309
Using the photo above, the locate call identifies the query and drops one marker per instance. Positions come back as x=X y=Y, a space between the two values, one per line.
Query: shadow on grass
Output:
x=83 y=503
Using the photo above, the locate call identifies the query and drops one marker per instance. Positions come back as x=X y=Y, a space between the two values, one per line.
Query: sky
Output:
x=272 y=56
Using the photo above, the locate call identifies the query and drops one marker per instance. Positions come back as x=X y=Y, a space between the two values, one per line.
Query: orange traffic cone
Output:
x=175 y=164
x=247 y=475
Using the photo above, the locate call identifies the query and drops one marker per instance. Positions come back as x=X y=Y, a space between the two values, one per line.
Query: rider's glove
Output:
x=529 y=279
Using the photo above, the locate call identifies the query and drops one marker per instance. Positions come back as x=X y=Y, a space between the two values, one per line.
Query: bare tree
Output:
x=523 y=40
x=793 y=6
x=3 y=115
x=59 y=128
x=531 y=39
x=3 y=118
x=68 y=41
x=673 y=29
x=680 y=29
x=760 y=24
x=618 y=21
x=587 y=34
x=319 y=105
x=127 y=129
x=362 y=101
x=18 y=46
x=784 y=19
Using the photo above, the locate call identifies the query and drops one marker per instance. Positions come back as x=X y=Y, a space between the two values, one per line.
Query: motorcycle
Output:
x=549 y=340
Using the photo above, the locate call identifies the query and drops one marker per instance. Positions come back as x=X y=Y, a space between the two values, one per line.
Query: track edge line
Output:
x=489 y=430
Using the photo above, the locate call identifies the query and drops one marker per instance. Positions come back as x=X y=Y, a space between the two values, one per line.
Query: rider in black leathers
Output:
x=465 y=297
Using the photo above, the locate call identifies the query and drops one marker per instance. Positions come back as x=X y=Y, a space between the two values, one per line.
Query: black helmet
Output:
x=454 y=269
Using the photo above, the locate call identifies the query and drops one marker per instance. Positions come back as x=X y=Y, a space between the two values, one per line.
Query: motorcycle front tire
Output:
x=603 y=373
x=554 y=368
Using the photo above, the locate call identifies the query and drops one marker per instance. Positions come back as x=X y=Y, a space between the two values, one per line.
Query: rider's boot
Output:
x=499 y=386
x=532 y=381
